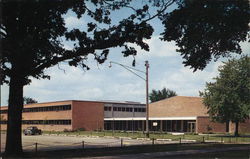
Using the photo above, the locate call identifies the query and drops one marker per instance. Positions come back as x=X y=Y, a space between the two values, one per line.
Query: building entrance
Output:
x=191 y=126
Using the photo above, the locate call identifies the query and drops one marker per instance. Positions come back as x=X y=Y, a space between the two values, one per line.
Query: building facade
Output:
x=175 y=114
x=74 y=115
x=188 y=114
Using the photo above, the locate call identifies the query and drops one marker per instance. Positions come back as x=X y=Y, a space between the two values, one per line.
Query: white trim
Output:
x=174 y=118
x=134 y=118
x=153 y=118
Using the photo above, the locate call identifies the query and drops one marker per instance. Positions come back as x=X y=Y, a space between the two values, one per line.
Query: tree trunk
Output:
x=236 y=132
x=14 y=128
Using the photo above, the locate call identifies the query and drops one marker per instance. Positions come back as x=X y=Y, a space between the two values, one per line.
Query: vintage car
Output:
x=32 y=130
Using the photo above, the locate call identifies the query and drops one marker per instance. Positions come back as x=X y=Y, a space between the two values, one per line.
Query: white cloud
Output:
x=4 y=94
x=67 y=47
x=186 y=82
x=157 y=48
x=74 y=22
x=245 y=46
x=89 y=93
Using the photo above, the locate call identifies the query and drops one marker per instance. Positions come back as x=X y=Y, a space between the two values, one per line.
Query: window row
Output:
x=125 y=109
x=43 y=109
x=4 y=111
x=43 y=122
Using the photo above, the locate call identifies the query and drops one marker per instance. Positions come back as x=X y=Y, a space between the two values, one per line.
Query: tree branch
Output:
x=124 y=5
x=160 y=11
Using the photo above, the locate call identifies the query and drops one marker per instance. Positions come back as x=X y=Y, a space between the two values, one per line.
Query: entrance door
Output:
x=191 y=126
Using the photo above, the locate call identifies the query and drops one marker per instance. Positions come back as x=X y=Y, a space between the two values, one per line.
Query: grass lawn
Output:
x=243 y=154
x=226 y=138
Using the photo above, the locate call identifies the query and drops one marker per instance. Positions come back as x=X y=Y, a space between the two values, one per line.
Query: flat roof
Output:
x=104 y=101
x=153 y=118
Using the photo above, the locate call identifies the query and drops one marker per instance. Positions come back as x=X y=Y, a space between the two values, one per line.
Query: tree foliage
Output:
x=32 y=34
x=228 y=98
x=28 y=100
x=157 y=95
x=203 y=29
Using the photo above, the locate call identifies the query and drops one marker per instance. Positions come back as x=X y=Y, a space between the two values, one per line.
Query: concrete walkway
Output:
x=166 y=154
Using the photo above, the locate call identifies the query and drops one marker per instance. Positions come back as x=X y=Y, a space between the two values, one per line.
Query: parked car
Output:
x=32 y=130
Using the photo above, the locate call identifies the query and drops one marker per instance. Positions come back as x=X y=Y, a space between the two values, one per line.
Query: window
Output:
x=107 y=108
x=136 y=109
x=44 y=122
x=3 y=111
x=3 y=122
x=123 y=109
x=47 y=108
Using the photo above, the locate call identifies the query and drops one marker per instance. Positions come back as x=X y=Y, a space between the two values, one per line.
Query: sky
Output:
x=102 y=82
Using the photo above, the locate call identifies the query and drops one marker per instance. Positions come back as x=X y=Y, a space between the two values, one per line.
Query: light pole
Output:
x=147 y=107
x=146 y=81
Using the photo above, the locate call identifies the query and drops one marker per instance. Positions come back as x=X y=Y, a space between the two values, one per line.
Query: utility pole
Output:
x=130 y=69
x=147 y=106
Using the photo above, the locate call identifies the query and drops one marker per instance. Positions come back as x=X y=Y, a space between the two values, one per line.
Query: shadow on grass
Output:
x=112 y=151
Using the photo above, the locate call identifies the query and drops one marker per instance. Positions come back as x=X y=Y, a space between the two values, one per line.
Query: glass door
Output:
x=191 y=127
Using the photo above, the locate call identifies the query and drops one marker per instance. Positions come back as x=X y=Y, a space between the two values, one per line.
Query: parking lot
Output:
x=57 y=142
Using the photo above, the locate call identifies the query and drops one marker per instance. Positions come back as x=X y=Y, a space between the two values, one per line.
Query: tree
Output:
x=31 y=34
x=228 y=98
x=161 y=94
x=203 y=29
x=28 y=100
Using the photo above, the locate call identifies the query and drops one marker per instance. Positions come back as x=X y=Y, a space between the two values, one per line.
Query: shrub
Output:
x=81 y=129
x=66 y=130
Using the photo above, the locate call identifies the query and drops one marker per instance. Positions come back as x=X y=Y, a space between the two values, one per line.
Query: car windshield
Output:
x=31 y=128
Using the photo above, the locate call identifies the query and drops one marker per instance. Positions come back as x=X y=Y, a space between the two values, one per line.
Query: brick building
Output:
x=176 y=114
x=73 y=115
x=188 y=114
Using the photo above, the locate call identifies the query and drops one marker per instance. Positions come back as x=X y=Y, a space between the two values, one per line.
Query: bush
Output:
x=80 y=129
x=66 y=130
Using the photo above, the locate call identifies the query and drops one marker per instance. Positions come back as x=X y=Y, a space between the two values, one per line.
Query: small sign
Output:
x=155 y=123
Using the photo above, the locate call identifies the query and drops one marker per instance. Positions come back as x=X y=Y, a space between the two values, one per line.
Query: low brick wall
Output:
x=243 y=127
x=205 y=125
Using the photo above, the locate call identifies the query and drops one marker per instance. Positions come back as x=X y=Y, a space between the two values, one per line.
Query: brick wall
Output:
x=88 y=115
x=205 y=125
x=243 y=127
x=43 y=127
x=48 y=115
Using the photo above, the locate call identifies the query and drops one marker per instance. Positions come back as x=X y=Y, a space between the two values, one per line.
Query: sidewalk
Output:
x=166 y=154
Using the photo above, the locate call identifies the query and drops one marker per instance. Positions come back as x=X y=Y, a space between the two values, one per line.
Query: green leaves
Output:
x=207 y=29
x=157 y=95
x=228 y=98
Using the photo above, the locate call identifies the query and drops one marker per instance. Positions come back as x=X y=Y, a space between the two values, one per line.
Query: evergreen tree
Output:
x=157 y=95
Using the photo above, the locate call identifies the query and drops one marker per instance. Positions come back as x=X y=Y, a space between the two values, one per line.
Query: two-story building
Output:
x=175 y=114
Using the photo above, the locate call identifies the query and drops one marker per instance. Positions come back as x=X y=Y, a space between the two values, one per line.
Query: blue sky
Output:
x=116 y=83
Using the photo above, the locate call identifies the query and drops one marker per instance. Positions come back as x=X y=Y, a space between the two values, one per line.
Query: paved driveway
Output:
x=56 y=142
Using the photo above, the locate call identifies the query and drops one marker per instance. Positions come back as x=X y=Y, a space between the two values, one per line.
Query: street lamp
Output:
x=131 y=69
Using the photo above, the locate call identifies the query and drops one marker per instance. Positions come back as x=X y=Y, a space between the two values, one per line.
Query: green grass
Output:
x=226 y=138
x=233 y=154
